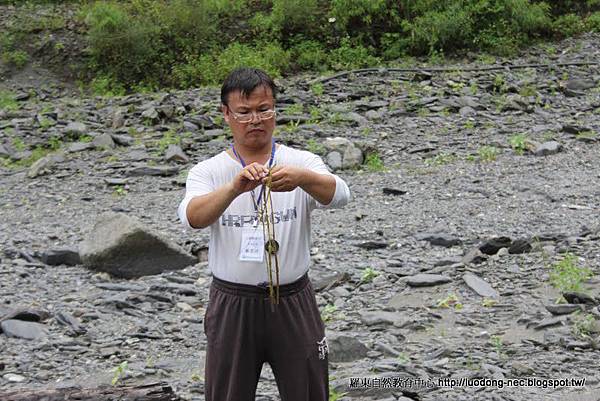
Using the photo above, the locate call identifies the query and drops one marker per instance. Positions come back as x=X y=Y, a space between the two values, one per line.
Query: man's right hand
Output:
x=249 y=178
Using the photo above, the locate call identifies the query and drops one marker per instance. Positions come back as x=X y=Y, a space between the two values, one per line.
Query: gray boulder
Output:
x=334 y=160
x=548 y=148
x=122 y=246
x=353 y=157
x=344 y=348
x=22 y=329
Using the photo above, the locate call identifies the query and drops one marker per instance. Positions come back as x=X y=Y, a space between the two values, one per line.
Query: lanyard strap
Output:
x=256 y=203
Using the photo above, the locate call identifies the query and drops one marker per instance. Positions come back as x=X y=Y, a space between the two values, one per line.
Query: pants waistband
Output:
x=262 y=289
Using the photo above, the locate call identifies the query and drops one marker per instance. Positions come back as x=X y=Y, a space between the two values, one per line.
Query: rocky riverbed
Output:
x=469 y=186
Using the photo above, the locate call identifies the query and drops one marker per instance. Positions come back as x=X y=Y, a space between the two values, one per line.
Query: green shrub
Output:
x=106 y=85
x=592 y=23
x=189 y=42
x=560 y=7
x=296 y=16
x=440 y=30
x=17 y=58
x=7 y=101
x=309 y=55
x=568 y=25
x=125 y=47
x=349 y=56
x=567 y=275
x=213 y=68
x=186 y=26
x=365 y=20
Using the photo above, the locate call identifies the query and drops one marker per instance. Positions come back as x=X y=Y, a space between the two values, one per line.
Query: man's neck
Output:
x=252 y=155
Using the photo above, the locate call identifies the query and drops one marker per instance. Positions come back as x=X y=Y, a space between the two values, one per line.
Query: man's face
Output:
x=257 y=133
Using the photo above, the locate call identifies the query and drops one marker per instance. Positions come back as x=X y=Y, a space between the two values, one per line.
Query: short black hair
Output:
x=246 y=80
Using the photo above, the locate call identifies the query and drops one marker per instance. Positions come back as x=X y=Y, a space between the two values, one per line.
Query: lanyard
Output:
x=256 y=203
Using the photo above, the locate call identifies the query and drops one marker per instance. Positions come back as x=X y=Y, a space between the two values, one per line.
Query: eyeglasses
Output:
x=248 y=116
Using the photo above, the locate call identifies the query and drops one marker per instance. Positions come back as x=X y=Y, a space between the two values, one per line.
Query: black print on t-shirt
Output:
x=245 y=220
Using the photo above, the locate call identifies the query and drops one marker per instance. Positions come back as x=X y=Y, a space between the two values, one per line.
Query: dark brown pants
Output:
x=244 y=330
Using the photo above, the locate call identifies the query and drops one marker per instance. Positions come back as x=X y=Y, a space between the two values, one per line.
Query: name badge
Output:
x=252 y=247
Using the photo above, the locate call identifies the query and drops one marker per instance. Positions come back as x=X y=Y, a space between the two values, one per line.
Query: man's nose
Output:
x=255 y=114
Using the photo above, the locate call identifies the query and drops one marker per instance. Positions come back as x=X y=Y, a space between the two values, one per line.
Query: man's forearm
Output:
x=204 y=210
x=320 y=186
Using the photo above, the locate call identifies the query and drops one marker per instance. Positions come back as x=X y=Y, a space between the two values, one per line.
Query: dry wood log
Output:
x=159 y=391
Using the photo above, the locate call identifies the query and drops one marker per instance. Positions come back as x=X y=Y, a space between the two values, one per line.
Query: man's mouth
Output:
x=256 y=131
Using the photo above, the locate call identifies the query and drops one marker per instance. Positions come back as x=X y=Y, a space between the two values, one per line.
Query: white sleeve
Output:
x=199 y=182
x=342 y=193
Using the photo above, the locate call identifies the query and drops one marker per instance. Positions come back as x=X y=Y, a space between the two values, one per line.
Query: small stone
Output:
x=493 y=245
x=123 y=140
x=334 y=160
x=75 y=129
x=118 y=119
x=343 y=348
x=548 y=148
x=580 y=85
x=61 y=256
x=578 y=298
x=104 y=141
x=164 y=171
x=393 y=191
x=44 y=165
x=427 y=280
x=353 y=157
x=24 y=330
x=14 y=378
x=520 y=370
x=175 y=153
x=338 y=144
x=563 y=309
x=480 y=286
x=190 y=126
x=474 y=256
x=372 y=245
x=382 y=317
x=519 y=246
x=79 y=147
x=184 y=306
x=150 y=115
x=439 y=239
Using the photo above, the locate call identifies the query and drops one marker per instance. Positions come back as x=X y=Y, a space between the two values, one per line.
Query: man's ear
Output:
x=225 y=111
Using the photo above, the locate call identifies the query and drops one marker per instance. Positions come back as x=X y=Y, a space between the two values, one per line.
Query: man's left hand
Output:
x=286 y=178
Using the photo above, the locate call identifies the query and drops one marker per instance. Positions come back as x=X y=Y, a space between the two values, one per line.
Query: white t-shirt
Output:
x=291 y=215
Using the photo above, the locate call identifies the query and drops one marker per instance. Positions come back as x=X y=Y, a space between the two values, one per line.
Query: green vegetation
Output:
x=566 y=275
x=8 y=102
x=37 y=153
x=519 y=143
x=586 y=135
x=168 y=138
x=488 y=302
x=403 y=358
x=328 y=312
x=451 y=301
x=183 y=43
x=315 y=147
x=335 y=395
x=373 y=163
x=317 y=89
x=498 y=345
x=17 y=58
x=119 y=372
x=440 y=159
x=120 y=190
x=487 y=153
x=584 y=325
x=368 y=275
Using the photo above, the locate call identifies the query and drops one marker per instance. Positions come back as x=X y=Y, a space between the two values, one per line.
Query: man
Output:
x=244 y=325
